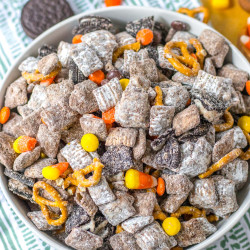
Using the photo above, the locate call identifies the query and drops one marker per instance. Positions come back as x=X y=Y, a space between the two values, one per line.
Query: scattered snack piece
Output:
x=24 y=144
x=20 y=189
x=89 y=142
x=195 y=11
x=218 y=4
x=244 y=123
x=123 y=240
x=171 y=226
x=4 y=115
x=110 y=3
x=145 y=36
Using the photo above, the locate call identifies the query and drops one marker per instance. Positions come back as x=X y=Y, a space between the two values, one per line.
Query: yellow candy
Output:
x=220 y=4
x=244 y=123
x=42 y=155
x=90 y=142
x=51 y=173
x=15 y=145
x=171 y=226
x=124 y=82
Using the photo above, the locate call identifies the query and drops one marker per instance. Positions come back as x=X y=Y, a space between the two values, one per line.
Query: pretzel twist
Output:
x=195 y=11
x=118 y=52
x=229 y=122
x=246 y=155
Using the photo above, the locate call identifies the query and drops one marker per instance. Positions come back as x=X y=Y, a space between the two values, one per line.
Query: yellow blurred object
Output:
x=171 y=226
x=50 y=173
x=220 y=4
x=124 y=83
x=244 y=123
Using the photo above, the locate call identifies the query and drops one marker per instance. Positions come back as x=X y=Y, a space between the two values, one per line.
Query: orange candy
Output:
x=97 y=77
x=24 y=143
x=248 y=87
x=145 y=36
x=160 y=187
x=109 y=116
x=110 y=3
x=77 y=39
x=188 y=102
x=47 y=82
x=62 y=166
x=4 y=115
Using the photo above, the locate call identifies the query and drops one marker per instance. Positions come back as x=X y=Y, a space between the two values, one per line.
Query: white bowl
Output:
x=120 y=16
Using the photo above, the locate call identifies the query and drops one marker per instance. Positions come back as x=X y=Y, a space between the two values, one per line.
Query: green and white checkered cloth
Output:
x=14 y=235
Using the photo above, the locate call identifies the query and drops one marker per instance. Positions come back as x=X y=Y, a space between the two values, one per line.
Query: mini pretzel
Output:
x=246 y=155
x=200 y=52
x=33 y=77
x=44 y=203
x=195 y=212
x=119 y=229
x=158 y=98
x=229 y=122
x=195 y=11
x=158 y=214
x=212 y=218
x=222 y=162
x=180 y=62
x=134 y=46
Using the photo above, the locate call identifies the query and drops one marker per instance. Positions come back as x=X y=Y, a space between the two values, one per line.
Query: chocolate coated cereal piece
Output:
x=140 y=145
x=117 y=211
x=236 y=171
x=25 y=159
x=133 y=108
x=84 y=200
x=240 y=107
x=152 y=237
x=246 y=100
x=170 y=156
x=75 y=74
x=49 y=141
x=153 y=53
x=81 y=99
x=144 y=203
x=211 y=41
x=116 y=159
x=11 y=127
x=24 y=110
x=162 y=60
x=123 y=241
x=183 y=36
x=80 y=239
x=92 y=23
x=86 y=59
x=46 y=49
x=187 y=81
x=101 y=193
x=7 y=153
x=108 y=95
x=195 y=157
x=160 y=119
x=76 y=156
x=203 y=194
x=35 y=170
x=78 y=217
x=16 y=93
x=209 y=66
x=40 y=221
x=159 y=142
x=194 y=231
x=173 y=202
x=176 y=96
x=20 y=189
x=145 y=23
x=119 y=186
x=149 y=156
x=135 y=224
x=29 y=64
x=160 y=32
x=122 y=136
x=93 y=125
x=210 y=136
x=142 y=82
x=125 y=195
x=218 y=59
x=62 y=75
x=63 y=53
x=48 y=63
x=238 y=76
x=74 y=132
x=188 y=119
x=124 y=38
x=38 y=98
x=19 y=177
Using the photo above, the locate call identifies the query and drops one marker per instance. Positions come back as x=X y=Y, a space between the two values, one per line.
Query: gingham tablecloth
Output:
x=13 y=233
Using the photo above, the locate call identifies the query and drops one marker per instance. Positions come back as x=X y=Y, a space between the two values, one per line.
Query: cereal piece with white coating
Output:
x=163 y=61
x=204 y=193
x=184 y=36
x=108 y=95
x=26 y=159
x=194 y=231
x=124 y=38
x=29 y=64
x=11 y=127
x=140 y=81
x=219 y=58
x=63 y=53
x=35 y=170
x=133 y=108
x=173 y=202
x=187 y=81
x=24 y=110
x=122 y=136
x=86 y=59
x=119 y=186
x=135 y=224
x=117 y=211
x=76 y=156
x=212 y=42
x=40 y=222
x=140 y=145
x=75 y=74
x=47 y=64
x=161 y=118
x=81 y=239
x=48 y=140
x=236 y=171
x=152 y=237
x=185 y=120
x=123 y=241
x=7 y=153
x=209 y=66
x=238 y=76
x=240 y=107
x=38 y=98
x=74 y=132
x=82 y=99
x=210 y=136
x=20 y=189
x=94 y=125
x=246 y=100
x=16 y=93
x=101 y=193
x=196 y=157
x=144 y=203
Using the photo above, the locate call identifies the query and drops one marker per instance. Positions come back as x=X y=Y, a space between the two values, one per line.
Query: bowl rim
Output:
x=227 y=225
